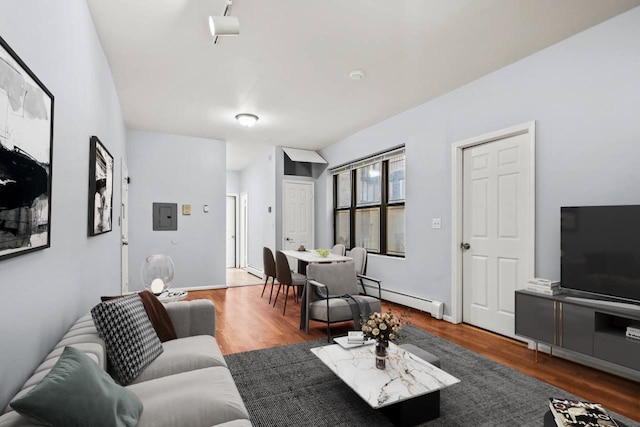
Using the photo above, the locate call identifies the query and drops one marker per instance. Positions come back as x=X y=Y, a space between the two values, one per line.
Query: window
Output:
x=369 y=198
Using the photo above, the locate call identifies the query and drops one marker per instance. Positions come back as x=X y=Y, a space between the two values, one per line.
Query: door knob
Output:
x=125 y=243
x=287 y=239
x=465 y=246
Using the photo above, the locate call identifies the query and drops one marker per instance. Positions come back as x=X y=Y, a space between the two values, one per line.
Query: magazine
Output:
x=575 y=413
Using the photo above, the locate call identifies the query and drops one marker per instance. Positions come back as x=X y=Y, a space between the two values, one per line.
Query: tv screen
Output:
x=600 y=250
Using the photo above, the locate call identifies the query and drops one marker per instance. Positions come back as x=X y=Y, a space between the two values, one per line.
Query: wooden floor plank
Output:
x=246 y=321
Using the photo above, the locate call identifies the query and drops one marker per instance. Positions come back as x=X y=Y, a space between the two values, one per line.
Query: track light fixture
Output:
x=224 y=25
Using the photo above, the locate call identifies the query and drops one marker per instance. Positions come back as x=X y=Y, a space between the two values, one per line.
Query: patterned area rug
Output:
x=289 y=386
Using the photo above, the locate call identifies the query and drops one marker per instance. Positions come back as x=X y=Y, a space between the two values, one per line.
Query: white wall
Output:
x=583 y=94
x=258 y=181
x=183 y=170
x=44 y=292
x=233 y=182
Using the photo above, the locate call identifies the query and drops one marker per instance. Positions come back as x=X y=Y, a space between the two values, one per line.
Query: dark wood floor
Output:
x=245 y=321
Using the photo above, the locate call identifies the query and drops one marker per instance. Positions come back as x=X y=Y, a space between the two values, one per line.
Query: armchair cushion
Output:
x=340 y=278
x=340 y=309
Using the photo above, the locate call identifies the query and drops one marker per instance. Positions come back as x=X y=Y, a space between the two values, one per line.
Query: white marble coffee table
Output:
x=407 y=388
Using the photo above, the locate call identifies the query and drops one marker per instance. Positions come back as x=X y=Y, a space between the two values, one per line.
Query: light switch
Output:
x=436 y=223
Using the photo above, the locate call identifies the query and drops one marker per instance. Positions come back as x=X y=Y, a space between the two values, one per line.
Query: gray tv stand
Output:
x=587 y=326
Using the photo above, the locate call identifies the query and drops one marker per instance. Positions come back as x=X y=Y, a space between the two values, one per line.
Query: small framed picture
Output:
x=100 y=188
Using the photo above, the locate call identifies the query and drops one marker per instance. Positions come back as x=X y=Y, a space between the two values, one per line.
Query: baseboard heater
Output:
x=433 y=307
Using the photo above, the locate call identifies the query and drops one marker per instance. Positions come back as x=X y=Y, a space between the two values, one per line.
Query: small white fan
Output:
x=157 y=273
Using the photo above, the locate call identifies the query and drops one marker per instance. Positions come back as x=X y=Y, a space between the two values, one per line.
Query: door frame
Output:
x=236 y=200
x=457 y=205
x=313 y=210
x=243 y=224
x=124 y=227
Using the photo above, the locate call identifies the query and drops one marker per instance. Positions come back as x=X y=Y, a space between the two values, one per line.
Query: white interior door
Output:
x=231 y=231
x=124 y=226
x=297 y=218
x=496 y=225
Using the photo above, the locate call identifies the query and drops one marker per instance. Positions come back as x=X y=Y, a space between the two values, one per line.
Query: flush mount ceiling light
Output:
x=224 y=25
x=356 y=75
x=246 y=119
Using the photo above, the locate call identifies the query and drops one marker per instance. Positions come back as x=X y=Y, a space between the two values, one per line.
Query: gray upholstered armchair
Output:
x=332 y=295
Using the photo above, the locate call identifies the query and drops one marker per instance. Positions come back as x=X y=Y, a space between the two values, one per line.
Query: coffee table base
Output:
x=413 y=411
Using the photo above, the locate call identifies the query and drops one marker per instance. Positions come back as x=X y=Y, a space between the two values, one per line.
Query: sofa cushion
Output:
x=182 y=355
x=131 y=341
x=204 y=397
x=77 y=392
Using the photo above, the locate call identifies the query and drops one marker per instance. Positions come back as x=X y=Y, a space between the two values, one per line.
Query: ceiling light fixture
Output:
x=356 y=75
x=246 y=119
x=224 y=25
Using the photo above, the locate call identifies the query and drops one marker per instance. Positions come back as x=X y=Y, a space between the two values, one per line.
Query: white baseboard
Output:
x=449 y=319
x=199 y=288
x=255 y=271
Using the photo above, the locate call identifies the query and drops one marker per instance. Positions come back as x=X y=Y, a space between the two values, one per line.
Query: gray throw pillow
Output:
x=132 y=343
x=77 y=392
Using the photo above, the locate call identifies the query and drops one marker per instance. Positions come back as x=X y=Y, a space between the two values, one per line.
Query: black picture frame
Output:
x=100 y=188
x=26 y=157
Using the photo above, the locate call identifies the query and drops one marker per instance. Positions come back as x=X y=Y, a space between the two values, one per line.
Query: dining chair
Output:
x=269 y=269
x=287 y=278
x=359 y=256
x=338 y=249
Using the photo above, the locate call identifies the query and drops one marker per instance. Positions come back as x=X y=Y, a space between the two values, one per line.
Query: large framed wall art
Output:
x=26 y=152
x=100 y=188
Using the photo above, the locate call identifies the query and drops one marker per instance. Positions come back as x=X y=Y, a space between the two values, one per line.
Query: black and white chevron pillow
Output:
x=131 y=341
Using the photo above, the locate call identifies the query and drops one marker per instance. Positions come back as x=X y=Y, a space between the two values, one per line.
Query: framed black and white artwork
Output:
x=26 y=151
x=100 y=188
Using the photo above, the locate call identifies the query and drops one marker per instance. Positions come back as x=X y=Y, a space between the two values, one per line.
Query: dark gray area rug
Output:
x=289 y=386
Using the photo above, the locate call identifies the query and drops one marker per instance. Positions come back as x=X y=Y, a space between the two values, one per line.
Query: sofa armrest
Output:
x=190 y=318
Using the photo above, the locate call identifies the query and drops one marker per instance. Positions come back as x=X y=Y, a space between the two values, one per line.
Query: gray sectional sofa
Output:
x=188 y=385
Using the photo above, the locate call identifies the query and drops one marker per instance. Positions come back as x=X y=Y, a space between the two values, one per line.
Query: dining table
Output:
x=305 y=258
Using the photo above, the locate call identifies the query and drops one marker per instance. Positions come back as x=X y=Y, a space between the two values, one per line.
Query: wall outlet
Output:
x=436 y=223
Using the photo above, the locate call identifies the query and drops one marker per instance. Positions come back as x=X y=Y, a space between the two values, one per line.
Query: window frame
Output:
x=382 y=206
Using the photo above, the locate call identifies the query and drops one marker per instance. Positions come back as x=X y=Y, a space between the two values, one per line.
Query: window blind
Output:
x=376 y=158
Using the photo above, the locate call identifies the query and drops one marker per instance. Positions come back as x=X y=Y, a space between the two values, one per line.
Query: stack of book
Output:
x=633 y=331
x=573 y=413
x=544 y=286
x=355 y=337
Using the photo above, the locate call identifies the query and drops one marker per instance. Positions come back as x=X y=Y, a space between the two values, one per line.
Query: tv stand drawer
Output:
x=616 y=348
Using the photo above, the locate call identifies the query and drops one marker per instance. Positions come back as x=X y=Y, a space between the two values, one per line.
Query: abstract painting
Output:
x=100 y=188
x=26 y=149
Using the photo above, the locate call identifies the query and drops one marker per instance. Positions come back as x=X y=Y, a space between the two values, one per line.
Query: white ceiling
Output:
x=290 y=64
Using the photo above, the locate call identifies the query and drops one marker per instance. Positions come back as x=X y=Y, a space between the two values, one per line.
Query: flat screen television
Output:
x=600 y=250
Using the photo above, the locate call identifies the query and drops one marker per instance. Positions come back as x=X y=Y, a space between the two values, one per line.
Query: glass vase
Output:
x=382 y=349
